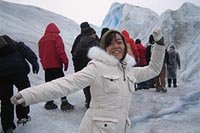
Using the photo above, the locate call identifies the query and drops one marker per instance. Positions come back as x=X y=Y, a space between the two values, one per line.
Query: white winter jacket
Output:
x=111 y=85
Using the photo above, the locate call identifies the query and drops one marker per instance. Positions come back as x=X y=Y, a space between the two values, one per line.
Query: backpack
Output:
x=5 y=47
x=11 y=61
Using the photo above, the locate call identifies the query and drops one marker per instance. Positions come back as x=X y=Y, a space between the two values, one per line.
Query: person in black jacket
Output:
x=148 y=58
x=83 y=26
x=14 y=70
x=159 y=81
x=81 y=58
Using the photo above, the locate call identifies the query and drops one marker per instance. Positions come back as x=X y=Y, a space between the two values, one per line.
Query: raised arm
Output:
x=156 y=63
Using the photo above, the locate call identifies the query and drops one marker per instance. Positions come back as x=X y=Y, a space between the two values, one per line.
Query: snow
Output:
x=178 y=110
x=55 y=121
x=151 y=112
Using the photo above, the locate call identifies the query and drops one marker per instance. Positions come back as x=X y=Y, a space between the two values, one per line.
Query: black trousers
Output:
x=21 y=81
x=87 y=94
x=54 y=73
x=86 y=90
x=170 y=81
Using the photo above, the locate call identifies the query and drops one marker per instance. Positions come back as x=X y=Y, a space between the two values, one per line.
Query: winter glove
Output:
x=65 y=66
x=158 y=37
x=17 y=99
x=35 y=67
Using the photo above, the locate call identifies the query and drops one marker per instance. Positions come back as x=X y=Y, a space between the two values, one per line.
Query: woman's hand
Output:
x=17 y=99
x=158 y=37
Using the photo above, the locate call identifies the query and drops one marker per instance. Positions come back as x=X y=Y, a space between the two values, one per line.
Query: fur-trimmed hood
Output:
x=96 y=53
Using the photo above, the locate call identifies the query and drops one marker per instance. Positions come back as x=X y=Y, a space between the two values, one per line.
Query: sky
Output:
x=94 y=11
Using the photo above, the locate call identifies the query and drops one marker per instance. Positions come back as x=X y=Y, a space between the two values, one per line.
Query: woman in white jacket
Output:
x=111 y=77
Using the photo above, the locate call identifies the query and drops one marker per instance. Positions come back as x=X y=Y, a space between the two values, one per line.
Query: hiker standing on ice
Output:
x=111 y=77
x=14 y=70
x=174 y=63
x=53 y=59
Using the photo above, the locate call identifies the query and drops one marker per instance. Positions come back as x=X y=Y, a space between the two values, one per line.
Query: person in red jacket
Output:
x=132 y=49
x=142 y=53
x=141 y=62
x=53 y=58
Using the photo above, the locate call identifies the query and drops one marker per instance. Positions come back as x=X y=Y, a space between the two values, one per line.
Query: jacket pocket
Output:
x=111 y=83
x=105 y=125
x=131 y=83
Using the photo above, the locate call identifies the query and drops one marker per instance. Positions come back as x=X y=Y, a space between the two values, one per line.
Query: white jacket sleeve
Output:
x=60 y=87
x=154 y=67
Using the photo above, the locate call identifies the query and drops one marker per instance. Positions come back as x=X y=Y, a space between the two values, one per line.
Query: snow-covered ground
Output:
x=177 y=111
x=55 y=121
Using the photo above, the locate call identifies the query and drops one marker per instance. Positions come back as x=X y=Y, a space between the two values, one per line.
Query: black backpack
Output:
x=11 y=61
x=5 y=47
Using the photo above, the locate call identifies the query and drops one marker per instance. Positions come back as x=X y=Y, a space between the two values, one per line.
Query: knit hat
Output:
x=151 y=39
x=104 y=30
x=89 y=31
x=84 y=26
x=137 y=41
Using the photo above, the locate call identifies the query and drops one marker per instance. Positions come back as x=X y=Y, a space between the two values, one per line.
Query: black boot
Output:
x=65 y=105
x=158 y=89
x=169 y=82
x=24 y=121
x=50 y=105
x=164 y=89
x=174 y=82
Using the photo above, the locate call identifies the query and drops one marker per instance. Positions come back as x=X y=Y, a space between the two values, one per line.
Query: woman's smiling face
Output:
x=117 y=47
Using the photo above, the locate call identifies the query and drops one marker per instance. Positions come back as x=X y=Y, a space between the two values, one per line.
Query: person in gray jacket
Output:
x=173 y=63
x=111 y=78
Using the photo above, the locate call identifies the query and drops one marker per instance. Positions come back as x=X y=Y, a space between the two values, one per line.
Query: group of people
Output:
x=171 y=63
x=107 y=69
x=142 y=56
